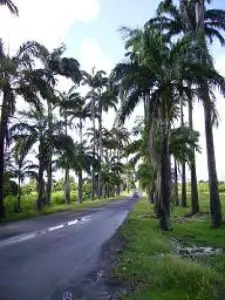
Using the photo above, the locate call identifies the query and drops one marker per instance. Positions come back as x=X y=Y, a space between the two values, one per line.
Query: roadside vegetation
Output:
x=28 y=202
x=44 y=130
x=151 y=265
x=167 y=68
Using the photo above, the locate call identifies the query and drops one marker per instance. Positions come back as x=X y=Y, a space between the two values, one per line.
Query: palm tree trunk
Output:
x=183 y=165
x=40 y=199
x=67 y=171
x=100 y=151
x=200 y=10
x=215 y=205
x=81 y=131
x=158 y=192
x=80 y=187
x=49 y=181
x=94 y=148
x=19 y=195
x=176 y=183
x=165 y=172
x=194 y=184
x=183 y=188
x=150 y=193
x=146 y=98
x=3 y=131
x=67 y=185
x=41 y=183
x=50 y=154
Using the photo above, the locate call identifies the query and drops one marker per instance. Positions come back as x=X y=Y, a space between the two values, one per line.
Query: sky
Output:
x=90 y=30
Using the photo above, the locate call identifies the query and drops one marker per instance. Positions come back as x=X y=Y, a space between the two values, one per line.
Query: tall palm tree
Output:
x=96 y=81
x=183 y=165
x=194 y=183
x=11 y=6
x=69 y=104
x=16 y=78
x=121 y=137
x=54 y=66
x=107 y=100
x=34 y=130
x=215 y=205
x=193 y=16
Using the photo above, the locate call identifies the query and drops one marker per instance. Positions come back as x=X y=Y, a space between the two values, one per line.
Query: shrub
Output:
x=203 y=187
x=58 y=198
x=222 y=188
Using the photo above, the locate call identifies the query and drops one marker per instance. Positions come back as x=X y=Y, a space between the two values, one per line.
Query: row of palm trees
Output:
x=168 y=66
x=53 y=127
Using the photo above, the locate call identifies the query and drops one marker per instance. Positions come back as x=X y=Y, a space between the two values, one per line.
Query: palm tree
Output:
x=11 y=6
x=121 y=139
x=183 y=145
x=16 y=78
x=194 y=182
x=215 y=205
x=68 y=104
x=96 y=81
x=34 y=130
x=83 y=160
x=193 y=16
x=55 y=65
x=21 y=168
x=107 y=99
x=155 y=58
x=111 y=175
x=183 y=165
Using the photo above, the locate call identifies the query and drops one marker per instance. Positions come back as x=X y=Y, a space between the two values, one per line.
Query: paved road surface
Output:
x=43 y=258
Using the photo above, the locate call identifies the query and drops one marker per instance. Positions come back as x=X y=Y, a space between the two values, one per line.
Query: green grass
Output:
x=58 y=205
x=152 y=268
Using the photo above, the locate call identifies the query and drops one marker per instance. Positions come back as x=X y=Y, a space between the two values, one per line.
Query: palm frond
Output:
x=11 y=6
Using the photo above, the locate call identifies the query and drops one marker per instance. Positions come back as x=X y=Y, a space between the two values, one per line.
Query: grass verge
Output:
x=76 y=207
x=152 y=268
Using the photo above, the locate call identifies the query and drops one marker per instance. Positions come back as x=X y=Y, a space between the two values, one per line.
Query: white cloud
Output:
x=46 y=21
x=92 y=55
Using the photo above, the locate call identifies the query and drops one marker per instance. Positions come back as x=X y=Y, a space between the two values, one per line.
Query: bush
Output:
x=74 y=196
x=203 y=187
x=58 y=198
x=29 y=188
x=222 y=188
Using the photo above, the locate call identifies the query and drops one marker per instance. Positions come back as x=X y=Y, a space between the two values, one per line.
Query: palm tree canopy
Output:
x=173 y=20
x=11 y=6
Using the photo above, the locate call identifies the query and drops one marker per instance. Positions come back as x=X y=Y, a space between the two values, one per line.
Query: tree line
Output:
x=51 y=133
x=167 y=67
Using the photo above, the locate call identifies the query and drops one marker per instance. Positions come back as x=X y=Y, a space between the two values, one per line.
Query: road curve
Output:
x=44 y=262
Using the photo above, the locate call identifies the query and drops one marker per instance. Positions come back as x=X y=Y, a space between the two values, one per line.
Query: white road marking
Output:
x=55 y=227
x=85 y=218
x=18 y=239
x=73 y=222
x=29 y=236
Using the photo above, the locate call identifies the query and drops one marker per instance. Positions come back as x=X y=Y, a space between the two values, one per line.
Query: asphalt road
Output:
x=46 y=257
